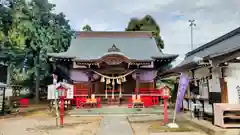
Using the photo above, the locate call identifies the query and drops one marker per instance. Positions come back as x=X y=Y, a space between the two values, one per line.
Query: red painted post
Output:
x=165 y=95
x=61 y=111
x=165 y=111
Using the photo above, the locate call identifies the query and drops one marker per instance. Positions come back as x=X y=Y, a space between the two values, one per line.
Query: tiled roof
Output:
x=94 y=45
x=218 y=46
x=227 y=43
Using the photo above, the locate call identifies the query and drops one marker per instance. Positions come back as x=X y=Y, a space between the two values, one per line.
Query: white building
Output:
x=215 y=69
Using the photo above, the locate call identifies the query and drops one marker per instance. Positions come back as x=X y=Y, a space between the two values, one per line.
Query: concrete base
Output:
x=172 y=125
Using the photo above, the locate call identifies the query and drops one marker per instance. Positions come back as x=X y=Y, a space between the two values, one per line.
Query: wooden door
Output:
x=224 y=91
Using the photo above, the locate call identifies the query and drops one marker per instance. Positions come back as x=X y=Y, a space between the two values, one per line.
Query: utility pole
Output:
x=192 y=24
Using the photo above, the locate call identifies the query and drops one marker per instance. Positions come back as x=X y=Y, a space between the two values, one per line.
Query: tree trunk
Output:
x=9 y=74
x=37 y=79
x=9 y=82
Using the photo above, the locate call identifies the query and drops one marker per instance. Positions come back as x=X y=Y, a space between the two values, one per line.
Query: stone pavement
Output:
x=115 y=125
x=150 y=117
x=178 y=133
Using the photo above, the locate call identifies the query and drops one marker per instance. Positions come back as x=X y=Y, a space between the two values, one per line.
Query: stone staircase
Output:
x=117 y=110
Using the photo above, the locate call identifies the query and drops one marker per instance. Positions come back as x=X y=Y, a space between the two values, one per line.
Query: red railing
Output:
x=81 y=92
x=152 y=98
x=149 y=91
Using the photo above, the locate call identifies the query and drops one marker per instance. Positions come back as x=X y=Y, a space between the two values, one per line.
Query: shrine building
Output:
x=111 y=64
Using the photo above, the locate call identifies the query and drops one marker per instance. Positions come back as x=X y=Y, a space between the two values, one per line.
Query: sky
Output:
x=213 y=18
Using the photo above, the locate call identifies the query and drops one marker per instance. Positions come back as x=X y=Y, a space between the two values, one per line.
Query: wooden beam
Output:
x=225 y=58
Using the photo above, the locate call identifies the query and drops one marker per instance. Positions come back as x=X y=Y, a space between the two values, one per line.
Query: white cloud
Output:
x=136 y=6
x=213 y=18
x=100 y=26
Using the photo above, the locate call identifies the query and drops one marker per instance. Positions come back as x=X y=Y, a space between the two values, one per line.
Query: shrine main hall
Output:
x=111 y=64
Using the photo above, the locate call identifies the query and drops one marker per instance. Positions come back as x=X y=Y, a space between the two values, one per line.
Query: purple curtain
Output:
x=78 y=76
x=81 y=76
x=146 y=76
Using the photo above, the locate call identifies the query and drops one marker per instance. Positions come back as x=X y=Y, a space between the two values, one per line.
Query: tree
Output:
x=36 y=30
x=147 y=23
x=87 y=28
x=49 y=32
x=12 y=31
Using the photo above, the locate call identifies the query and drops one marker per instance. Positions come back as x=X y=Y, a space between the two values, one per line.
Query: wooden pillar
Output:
x=189 y=90
x=137 y=82
x=89 y=85
x=215 y=90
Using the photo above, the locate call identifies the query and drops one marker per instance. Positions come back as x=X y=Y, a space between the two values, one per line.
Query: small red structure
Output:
x=23 y=104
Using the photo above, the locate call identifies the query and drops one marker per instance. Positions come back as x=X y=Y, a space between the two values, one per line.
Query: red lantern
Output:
x=62 y=94
x=165 y=95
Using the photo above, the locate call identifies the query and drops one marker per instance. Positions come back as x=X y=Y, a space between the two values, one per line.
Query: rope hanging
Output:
x=113 y=88
x=119 y=80
x=113 y=78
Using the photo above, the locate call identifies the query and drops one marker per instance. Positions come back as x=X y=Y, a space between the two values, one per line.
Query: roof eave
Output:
x=171 y=56
x=219 y=54
x=215 y=41
x=96 y=60
x=184 y=67
x=59 y=55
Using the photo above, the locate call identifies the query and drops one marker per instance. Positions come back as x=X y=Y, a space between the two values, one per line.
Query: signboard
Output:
x=238 y=90
x=69 y=91
x=9 y=92
x=52 y=91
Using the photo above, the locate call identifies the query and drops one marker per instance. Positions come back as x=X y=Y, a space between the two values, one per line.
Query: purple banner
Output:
x=183 y=84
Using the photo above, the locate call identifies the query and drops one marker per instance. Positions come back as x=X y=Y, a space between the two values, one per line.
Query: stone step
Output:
x=124 y=114
x=118 y=111
x=152 y=117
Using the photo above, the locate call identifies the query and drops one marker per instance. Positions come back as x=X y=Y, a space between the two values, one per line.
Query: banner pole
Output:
x=183 y=82
x=175 y=110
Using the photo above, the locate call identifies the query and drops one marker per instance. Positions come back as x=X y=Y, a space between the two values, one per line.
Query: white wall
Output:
x=215 y=81
x=200 y=73
x=232 y=78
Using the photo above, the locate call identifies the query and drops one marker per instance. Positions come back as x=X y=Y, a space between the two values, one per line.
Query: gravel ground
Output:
x=46 y=125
